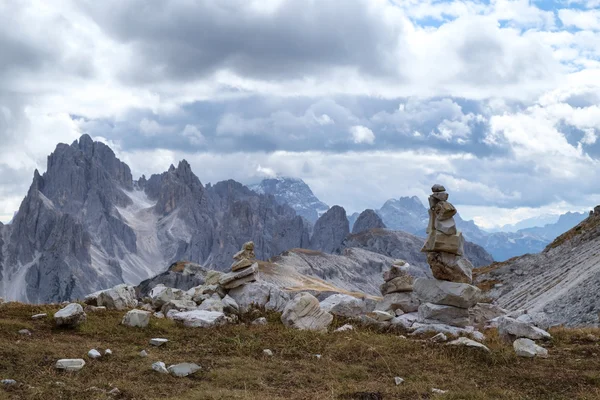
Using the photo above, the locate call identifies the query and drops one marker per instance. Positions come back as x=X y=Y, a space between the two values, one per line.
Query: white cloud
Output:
x=194 y=135
x=362 y=134
x=588 y=19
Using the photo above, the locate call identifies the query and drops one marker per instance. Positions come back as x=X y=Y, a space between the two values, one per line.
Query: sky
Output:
x=365 y=100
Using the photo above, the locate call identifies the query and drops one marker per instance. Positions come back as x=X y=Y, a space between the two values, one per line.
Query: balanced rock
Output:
x=438 y=188
x=247 y=251
x=397 y=279
x=304 y=312
x=450 y=267
x=238 y=278
x=527 y=348
x=440 y=314
x=438 y=241
x=343 y=305
x=70 y=316
x=444 y=210
x=136 y=318
x=447 y=226
x=446 y=293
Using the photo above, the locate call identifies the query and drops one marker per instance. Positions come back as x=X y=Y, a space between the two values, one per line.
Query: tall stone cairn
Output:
x=243 y=270
x=446 y=298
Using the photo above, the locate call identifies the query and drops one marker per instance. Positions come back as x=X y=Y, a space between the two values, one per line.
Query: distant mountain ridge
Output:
x=295 y=193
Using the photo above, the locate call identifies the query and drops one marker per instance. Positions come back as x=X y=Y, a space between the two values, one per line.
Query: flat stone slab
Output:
x=69 y=364
x=183 y=369
x=39 y=316
x=158 y=341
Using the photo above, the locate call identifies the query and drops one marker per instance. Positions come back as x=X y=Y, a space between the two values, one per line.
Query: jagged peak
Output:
x=171 y=168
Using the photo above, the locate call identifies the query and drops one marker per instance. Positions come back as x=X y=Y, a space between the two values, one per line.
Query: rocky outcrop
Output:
x=330 y=230
x=367 y=220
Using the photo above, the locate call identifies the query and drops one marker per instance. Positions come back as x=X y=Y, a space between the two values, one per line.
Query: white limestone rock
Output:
x=183 y=369
x=383 y=316
x=143 y=354
x=179 y=305
x=343 y=305
x=158 y=341
x=70 y=365
x=510 y=329
x=398 y=381
x=481 y=313
x=39 y=316
x=70 y=316
x=160 y=367
x=463 y=341
x=160 y=295
x=211 y=305
x=93 y=354
x=304 y=312
x=230 y=306
x=259 y=294
x=120 y=297
x=345 y=328
x=434 y=291
x=201 y=318
x=405 y=320
x=268 y=353
x=527 y=348
x=136 y=318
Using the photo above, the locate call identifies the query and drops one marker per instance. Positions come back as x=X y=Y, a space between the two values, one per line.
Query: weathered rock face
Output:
x=121 y=297
x=304 y=312
x=330 y=230
x=367 y=220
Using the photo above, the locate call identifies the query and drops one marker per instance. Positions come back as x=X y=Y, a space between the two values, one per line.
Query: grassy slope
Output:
x=234 y=367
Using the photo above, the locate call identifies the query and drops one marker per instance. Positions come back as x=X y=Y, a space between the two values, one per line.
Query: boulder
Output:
x=450 y=267
x=527 y=348
x=160 y=367
x=440 y=196
x=120 y=297
x=430 y=313
x=259 y=294
x=203 y=292
x=183 y=369
x=418 y=329
x=93 y=354
x=304 y=312
x=382 y=316
x=136 y=318
x=511 y=329
x=405 y=321
x=201 y=318
x=160 y=295
x=238 y=278
x=481 y=313
x=446 y=293
x=179 y=305
x=539 y=319
x=463 y=341
x=230 y=306
x=397 y=285
x=71 y=365
x=405 y=301
x=211 y=305
x=345 y=328
x=70 y=316
x=343 y=305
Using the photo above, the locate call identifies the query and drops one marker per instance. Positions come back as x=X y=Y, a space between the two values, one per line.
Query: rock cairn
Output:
x=243 y=270
x=397 y=290
x=446 y=298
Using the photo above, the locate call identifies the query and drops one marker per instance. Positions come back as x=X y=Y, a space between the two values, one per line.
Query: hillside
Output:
x=355 y=365
x=562 y=281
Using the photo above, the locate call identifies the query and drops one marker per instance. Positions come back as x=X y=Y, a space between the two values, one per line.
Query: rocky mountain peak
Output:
x=294 y=192
x=368 y=219
x=330 y=230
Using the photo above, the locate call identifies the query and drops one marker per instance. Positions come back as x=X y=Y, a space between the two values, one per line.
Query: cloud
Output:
x=589 y=19
x=362 y=134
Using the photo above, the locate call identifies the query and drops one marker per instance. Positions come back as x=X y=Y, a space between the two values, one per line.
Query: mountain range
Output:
x=86 y=225
x=408 y=214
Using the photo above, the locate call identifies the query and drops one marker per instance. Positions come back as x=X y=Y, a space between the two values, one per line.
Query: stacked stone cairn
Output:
x=397 y=290
x=446 y=299
x=243 y=270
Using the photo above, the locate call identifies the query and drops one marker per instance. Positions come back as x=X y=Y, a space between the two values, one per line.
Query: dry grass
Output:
x=354 y=365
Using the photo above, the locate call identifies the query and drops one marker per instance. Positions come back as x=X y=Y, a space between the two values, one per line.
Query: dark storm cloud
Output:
x=186 y=40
